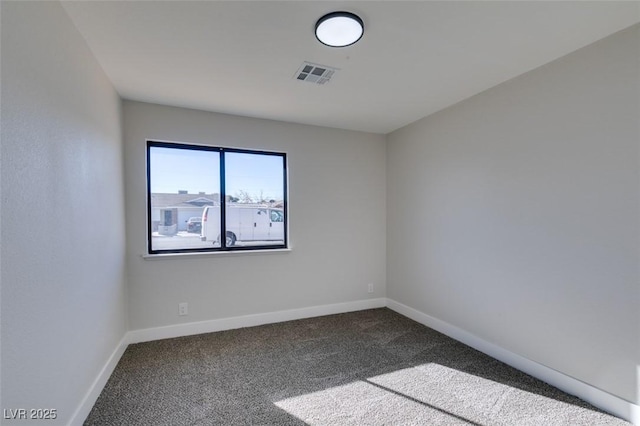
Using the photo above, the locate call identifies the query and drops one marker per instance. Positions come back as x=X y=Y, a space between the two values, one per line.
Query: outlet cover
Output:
x=183 y=308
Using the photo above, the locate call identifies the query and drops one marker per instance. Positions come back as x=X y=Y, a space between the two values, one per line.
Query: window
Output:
x=203 y=198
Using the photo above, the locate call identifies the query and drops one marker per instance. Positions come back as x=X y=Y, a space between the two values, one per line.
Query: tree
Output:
x=244 y=197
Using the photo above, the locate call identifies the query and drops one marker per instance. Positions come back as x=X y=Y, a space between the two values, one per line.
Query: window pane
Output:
x=184 y=185
x=255 y=189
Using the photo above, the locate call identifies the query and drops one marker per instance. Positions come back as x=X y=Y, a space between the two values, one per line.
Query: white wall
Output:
x=337 y=221
x=63 y=266
x=514 y=215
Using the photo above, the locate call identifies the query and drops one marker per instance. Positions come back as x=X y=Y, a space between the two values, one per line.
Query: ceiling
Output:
x=415 y=58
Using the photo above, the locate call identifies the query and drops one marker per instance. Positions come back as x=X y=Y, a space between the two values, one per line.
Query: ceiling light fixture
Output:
x=339 y=29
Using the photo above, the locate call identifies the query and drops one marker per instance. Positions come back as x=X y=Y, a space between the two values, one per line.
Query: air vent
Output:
x=314 y=73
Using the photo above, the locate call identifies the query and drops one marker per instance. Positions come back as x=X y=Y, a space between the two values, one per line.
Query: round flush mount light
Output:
x=339 y=29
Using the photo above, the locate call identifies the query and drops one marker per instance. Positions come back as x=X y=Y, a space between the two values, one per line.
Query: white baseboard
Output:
x=597 y=397
x=188 y=329
x=81 y=413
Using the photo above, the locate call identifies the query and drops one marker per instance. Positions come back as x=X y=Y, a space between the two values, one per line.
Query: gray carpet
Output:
x=372 y=367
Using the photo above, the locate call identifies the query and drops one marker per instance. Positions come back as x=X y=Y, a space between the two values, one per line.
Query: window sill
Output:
x=164 y=256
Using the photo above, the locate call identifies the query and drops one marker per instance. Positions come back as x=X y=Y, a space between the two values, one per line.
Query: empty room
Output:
x=321 y=213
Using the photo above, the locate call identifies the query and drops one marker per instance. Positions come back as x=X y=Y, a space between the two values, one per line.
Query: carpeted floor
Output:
x=372 y=367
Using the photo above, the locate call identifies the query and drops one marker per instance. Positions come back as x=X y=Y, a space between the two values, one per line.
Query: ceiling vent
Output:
x=314 y=73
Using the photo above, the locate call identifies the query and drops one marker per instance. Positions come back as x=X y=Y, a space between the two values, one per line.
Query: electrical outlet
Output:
x=183 y=308
x=370 y=287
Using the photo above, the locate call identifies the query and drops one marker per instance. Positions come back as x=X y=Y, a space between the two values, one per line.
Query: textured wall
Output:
x=337 y=221
x=514 y=215
x=63 y=273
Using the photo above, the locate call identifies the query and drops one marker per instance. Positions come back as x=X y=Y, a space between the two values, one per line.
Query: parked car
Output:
x=244 y=223
x=194 y=224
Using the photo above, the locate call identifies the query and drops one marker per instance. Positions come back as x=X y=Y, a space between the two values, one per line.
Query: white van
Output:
x=244 y=224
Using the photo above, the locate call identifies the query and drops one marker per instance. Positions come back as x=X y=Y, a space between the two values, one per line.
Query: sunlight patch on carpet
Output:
x=473 y=397
x=429 y=392
x=361 y=403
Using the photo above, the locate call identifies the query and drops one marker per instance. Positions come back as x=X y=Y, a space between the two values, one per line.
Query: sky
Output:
x=199 y=171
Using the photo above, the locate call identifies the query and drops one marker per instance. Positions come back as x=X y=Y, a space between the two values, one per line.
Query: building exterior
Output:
x=170 y=212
